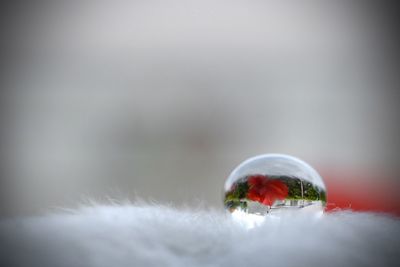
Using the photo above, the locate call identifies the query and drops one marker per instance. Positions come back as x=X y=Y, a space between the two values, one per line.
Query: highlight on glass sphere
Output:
x=272 y=183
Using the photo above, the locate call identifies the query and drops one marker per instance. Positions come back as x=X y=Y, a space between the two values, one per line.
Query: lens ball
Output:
x=273 y=183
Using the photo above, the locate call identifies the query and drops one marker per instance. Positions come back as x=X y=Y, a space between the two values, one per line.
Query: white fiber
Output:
x=150 y=235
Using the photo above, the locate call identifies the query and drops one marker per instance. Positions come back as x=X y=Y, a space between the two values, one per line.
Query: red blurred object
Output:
x=360 y=191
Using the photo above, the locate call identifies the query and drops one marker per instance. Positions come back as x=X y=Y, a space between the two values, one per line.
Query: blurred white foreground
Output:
x=132 y=235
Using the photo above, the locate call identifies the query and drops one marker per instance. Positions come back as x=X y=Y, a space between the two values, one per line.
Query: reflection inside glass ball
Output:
x=273 y=183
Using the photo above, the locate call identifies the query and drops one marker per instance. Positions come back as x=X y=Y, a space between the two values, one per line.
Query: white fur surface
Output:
x=151 y=235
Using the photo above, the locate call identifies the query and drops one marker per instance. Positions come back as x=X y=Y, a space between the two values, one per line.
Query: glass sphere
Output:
x=273 y=183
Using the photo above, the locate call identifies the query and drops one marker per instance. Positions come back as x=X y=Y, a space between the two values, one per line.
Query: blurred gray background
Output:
x=162 y=99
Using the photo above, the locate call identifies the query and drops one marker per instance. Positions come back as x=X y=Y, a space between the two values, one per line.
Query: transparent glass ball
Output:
x=273 y=183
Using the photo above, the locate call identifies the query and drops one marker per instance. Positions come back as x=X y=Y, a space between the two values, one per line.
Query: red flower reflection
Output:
x=266 y=190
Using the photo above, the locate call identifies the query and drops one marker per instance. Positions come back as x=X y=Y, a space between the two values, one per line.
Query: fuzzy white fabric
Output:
x=150 y=235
